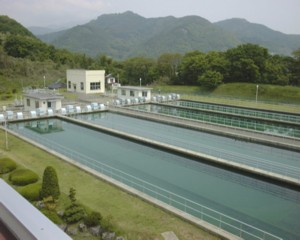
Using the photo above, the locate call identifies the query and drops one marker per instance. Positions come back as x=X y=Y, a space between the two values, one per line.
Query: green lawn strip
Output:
x=132 y=217
x=270 y=97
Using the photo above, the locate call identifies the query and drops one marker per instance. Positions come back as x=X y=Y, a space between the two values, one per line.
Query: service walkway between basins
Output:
x=205 y=191
x=281 y=168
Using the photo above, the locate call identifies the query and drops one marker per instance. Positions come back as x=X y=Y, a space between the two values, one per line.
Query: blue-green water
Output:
x=260 y=156
x=265 y=205
x=218 y=118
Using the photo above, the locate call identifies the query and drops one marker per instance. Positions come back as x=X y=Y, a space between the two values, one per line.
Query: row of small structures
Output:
x=80 y=108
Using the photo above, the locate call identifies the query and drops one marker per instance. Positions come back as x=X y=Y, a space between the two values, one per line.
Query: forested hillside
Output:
x=274 y=41
x=25 y=60
x=126 y=35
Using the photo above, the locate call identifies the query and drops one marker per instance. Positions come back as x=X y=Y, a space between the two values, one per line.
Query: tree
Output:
x=247 y=63
x=50 y=185
x=276 y=71
x=74 y=212
x=192 y=66
x=210 y=79
x=139 y=68
x=294 y=68
x=167 y=66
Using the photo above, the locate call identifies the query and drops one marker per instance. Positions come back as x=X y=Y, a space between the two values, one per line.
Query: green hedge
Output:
x=31 y=191
x=22 y=177
x=52 y=215
x=7 y=165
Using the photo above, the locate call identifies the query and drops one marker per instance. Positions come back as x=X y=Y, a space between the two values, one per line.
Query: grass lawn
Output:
x=270 y=97
x=133 y=218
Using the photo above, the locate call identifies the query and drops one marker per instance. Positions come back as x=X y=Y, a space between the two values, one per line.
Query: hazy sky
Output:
x=281 y=15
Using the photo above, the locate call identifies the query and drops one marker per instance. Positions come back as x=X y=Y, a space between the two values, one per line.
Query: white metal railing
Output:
x=232 y=225
x=238 y=110
x=230 y=156
x=269 y=129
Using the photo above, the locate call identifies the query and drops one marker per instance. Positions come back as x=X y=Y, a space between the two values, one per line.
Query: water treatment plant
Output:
x=237 y=169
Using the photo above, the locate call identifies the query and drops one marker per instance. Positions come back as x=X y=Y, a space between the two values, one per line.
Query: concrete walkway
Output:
x=239 y=133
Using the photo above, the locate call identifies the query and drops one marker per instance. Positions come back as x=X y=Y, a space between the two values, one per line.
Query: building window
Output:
x=131 y=93
x=49 y=104
x=37 y=104
x=69 y=84
x=123 y=92
x=144 y=93
x=94 y=85
x=28 y=102
x=81 y=86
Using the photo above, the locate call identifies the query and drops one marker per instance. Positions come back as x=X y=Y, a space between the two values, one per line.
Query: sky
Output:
x=280 y=15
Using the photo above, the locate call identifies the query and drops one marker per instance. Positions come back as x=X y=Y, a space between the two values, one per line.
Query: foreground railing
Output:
x=222 y=221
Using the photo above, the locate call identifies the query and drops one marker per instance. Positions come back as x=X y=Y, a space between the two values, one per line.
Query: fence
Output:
x=259 y=163
x=232 y=121
x=239 y=111
x=222 y=221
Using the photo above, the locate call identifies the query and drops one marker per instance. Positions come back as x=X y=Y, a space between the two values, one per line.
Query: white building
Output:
x=131 y=92
x=42 y=99
x=86 y=81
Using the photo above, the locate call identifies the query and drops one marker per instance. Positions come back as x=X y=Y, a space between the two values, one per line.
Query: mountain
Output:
x=126 y=35
x=8 y=25
x=247 y=32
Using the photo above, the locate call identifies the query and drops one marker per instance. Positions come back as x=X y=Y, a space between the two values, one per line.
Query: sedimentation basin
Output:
x=268 y=158
x=173 y=178
x=267 y=126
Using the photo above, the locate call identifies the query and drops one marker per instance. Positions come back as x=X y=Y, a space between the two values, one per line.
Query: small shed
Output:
x=132 y=92
x=42 y=99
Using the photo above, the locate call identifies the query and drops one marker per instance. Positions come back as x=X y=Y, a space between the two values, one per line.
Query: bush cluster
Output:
x=74 y=213
x=52 y=215
x=92 y=219
x=50 y=185
x=31 y=192
x=22 y=177
x=7 y=165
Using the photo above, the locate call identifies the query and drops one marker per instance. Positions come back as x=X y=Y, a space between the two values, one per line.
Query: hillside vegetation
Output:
x=127 y=35
x=25 y=60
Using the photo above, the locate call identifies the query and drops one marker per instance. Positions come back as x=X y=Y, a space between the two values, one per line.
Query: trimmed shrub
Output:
x=92 y=219
x=7 y=165
x=31 y=192
x=52 y=215
x=22 y=177
x=74 y=213
x=50 y=185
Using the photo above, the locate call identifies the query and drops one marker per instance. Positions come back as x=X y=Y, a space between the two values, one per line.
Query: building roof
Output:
x=43 y=94
x=57 y=85
x=24 y=218
x=135 y=88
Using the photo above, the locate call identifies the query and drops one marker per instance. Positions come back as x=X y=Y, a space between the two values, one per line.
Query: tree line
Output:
x=245 y=63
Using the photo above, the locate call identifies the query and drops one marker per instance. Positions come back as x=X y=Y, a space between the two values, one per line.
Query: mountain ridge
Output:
x=126 y=35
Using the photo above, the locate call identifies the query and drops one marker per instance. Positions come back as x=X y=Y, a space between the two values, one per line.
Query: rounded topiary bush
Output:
x=22 y=177
x=31 y=191
x=7 y=165
x=50 y=185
